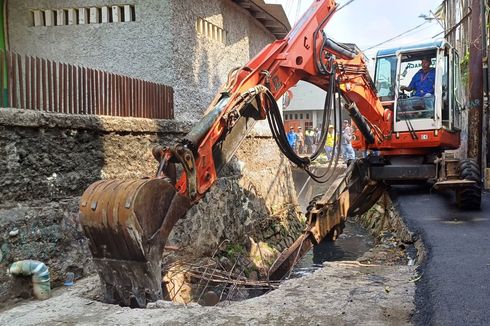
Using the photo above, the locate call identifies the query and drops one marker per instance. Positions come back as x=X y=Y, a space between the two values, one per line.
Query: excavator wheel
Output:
x=127 y=223
x=469 y=198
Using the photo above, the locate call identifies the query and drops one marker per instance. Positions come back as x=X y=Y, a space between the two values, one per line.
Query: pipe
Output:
x=40 y=276
x=361 y=123
x=340 y=50
x=202 y=127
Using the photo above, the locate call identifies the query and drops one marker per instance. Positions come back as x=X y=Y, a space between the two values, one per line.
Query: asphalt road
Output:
x=455 y=284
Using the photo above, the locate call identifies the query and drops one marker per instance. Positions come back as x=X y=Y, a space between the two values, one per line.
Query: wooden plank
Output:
x=38 y=84
x=65 y=88
x=21 y=81
x=27 y=81
x=145 y=100
x=79 y=91
x=113 y=95
x=131 y=96
x=69 y=89
x=83 y=96
x=150 y=100
x=60 y=87
x=100 y=93
x=153 y=101
x=55 y=107
x=96 y=92
x=2 y=81
x=49 y=100
x=126 y=96
x=165 y=99
x=73 y=89
x=89 y=91
x=171 y=104
x=44 y=88
x=121 y=95
x=158 y=106
x=108 y=94
x=11 y=79
x=14 y=81
x=33 y=84
x=138 y=99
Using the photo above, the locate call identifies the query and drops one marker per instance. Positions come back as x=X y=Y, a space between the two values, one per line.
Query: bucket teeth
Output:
x=127 y=223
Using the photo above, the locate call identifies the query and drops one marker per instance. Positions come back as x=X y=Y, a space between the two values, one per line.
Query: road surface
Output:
x=455 y=285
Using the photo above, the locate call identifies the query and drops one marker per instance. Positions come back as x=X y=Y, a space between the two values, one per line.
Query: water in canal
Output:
x=352 y=244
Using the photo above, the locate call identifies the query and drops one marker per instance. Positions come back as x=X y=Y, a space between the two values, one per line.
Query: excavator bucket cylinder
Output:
x=127 y=223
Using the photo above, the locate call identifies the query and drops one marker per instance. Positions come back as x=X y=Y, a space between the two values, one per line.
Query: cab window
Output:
x=385 y=78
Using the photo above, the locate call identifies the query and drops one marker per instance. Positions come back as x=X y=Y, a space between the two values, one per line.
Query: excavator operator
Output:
x=423 y=81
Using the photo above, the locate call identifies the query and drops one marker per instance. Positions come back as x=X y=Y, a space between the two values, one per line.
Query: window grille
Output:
x=210 y=30
x=83 y=15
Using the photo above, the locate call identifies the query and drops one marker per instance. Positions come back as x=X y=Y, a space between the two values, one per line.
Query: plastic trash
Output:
x=69 y=281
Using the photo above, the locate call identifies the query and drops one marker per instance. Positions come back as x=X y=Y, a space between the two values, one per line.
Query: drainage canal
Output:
x=351 y=245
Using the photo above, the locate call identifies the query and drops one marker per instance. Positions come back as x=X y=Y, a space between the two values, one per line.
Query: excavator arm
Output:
x=128 y=222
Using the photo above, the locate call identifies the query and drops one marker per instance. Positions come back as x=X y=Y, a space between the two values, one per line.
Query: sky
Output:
x=369 y=22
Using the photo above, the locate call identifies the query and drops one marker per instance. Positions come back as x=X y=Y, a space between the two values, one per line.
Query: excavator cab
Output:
x=412 y=112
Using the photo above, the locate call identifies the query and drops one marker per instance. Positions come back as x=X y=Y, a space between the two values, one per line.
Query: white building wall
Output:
x=161 y=45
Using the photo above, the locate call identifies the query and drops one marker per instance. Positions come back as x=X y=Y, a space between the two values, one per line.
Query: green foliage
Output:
x=234 y=250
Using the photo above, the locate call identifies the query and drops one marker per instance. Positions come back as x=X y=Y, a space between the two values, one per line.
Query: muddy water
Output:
x=352 y=244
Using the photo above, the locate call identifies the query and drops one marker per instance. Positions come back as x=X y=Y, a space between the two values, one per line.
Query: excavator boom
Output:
x=128 y=222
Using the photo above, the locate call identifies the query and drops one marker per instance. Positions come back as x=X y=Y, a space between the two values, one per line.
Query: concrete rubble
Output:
x=340 y=293
x=377 y=289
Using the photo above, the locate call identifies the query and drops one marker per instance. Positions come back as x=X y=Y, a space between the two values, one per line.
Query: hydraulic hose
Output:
x=40 y=276
x=277 y=129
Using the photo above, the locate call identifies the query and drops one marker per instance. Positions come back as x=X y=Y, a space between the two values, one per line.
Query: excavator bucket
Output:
x=127 y=223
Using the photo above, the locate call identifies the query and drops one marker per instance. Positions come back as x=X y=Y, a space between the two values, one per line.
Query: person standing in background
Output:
x=330 y=142
x=300 y=142
x=316 y=141
x=292 y=138
x=309 y=139
x=346 y=145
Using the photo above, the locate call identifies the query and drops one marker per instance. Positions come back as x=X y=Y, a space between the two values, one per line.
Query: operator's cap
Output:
x=299 y=127
x=346 y=121
x=330 y=127
x=291 y=128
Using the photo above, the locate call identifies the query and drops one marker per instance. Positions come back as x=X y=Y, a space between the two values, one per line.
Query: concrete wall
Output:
x=162 y=45
x=47 y=161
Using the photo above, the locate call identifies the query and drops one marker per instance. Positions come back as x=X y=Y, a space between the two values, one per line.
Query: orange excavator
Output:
x=128 y=222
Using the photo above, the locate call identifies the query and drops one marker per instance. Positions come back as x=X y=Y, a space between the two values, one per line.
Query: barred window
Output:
x=83 y=16
x=210 y=30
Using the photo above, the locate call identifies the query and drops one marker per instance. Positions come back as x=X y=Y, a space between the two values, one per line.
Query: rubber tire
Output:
x=469 y=198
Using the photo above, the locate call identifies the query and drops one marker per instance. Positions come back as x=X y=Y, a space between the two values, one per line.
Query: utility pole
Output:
x=486 y=112
x=475 y=107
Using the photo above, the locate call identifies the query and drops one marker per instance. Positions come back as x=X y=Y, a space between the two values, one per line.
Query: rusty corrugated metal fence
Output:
x=41 y=84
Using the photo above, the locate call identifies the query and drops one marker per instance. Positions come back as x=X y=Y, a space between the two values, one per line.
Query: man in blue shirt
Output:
x=423 y=81
x=292 y=137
